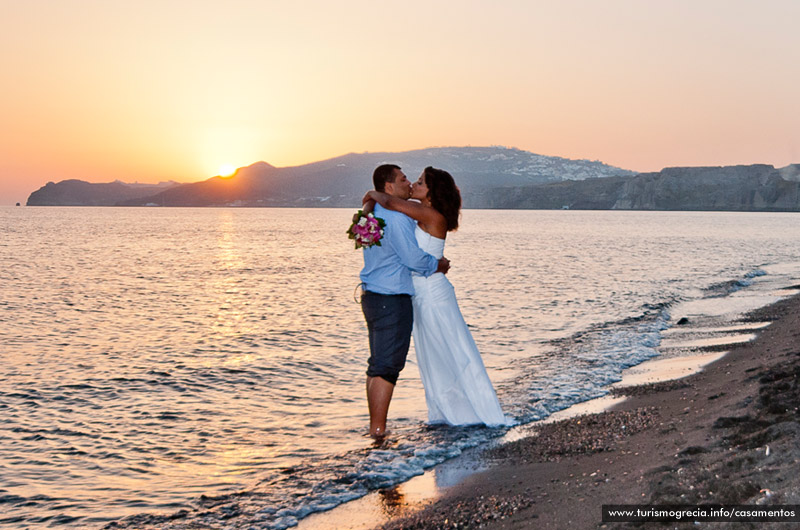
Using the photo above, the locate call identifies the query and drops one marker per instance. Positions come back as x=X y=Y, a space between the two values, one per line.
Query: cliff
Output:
x=731 y=188
x=756 y=187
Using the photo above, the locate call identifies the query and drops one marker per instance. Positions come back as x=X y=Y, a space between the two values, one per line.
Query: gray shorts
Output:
x=390 y=319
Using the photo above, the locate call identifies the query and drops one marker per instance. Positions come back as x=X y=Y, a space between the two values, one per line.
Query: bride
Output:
x=457 y=388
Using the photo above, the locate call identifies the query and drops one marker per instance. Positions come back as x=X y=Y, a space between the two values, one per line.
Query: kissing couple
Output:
x=404 y=288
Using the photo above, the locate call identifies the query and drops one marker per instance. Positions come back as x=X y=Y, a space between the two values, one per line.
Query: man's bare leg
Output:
x=379 y=395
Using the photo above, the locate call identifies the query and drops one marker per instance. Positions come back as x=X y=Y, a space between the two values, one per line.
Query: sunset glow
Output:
x=226 y=170
x=177 y=90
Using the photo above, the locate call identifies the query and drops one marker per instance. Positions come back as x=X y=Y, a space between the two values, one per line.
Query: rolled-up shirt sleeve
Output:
x=413 y=257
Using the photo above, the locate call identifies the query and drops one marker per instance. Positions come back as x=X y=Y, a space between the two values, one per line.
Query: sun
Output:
x=226 y=170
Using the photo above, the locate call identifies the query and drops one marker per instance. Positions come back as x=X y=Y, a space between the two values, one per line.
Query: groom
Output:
x=386 y=299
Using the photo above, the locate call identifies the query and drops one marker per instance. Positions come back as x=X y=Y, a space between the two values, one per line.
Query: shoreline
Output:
x=381 y=507
x=724 y=435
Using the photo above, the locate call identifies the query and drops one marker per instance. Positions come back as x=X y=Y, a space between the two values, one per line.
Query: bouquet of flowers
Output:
x=366 y=229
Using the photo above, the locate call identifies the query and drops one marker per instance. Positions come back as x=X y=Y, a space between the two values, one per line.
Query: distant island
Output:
x=80 y=193
x=489 y=177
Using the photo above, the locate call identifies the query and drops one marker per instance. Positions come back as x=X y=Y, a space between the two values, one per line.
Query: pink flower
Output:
x=366 y=230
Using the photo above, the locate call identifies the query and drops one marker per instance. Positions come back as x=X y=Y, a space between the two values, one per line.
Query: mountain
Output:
x=342 y=181
x=757 y=187
x=489 y=177
x=80 y=193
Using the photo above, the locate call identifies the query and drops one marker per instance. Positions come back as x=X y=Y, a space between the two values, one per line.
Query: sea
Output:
x=188 y=368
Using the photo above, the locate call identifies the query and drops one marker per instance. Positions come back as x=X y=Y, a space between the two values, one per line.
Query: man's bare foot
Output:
x=379 y=433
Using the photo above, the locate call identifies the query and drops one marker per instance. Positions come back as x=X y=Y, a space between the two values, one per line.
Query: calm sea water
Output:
x=212 y=360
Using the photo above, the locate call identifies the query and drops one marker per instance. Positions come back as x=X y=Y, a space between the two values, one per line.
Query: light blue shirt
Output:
x=387 y=268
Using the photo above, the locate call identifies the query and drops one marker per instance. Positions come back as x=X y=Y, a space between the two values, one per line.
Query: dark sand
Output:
x=729 y=434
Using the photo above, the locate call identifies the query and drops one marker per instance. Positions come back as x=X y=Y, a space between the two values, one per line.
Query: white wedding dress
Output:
x=457 y=388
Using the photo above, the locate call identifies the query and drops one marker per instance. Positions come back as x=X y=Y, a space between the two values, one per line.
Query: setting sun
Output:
x=226 y=170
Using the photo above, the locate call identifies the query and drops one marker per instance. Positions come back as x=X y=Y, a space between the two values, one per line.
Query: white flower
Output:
x=362 y=221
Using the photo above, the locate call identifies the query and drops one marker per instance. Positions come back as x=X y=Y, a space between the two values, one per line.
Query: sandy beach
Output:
x=725 y=435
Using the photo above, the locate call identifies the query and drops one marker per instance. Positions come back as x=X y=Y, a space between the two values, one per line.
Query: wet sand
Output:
x=729 y=434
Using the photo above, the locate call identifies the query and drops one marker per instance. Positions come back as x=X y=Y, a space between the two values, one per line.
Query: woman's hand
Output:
x=368 y=197
x=368 y=203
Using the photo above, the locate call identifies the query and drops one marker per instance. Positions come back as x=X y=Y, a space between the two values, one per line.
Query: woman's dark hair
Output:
x=444 y=195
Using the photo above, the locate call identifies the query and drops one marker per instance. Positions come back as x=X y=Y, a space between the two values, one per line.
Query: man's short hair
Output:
x=382 y=175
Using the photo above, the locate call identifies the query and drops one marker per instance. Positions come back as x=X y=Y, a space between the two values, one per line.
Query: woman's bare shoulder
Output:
x=434 y=223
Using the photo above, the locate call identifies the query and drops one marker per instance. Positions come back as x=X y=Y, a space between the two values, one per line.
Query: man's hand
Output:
x=444 y=266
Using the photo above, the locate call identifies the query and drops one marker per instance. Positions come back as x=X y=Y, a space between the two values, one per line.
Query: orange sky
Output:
x=176 y=89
